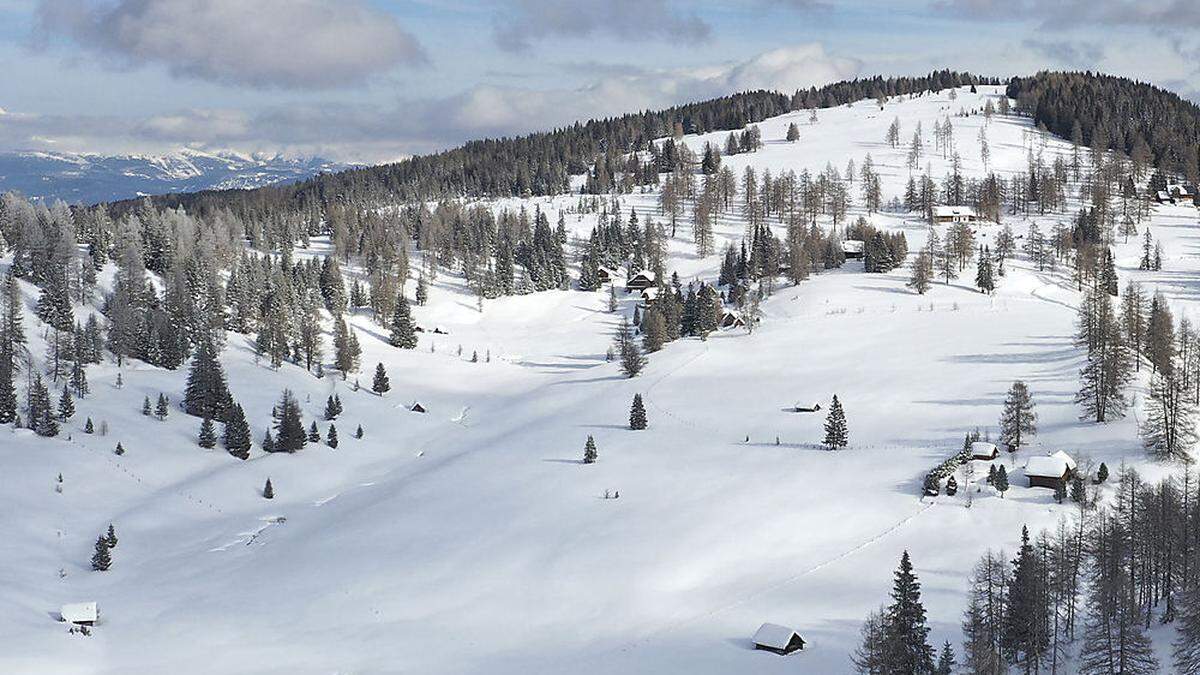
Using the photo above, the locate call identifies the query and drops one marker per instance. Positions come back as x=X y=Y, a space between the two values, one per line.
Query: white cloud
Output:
x=519 y=22
x=374 y=133
x=273 y=43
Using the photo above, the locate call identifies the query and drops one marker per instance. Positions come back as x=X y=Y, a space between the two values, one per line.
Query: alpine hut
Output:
x=781 y=640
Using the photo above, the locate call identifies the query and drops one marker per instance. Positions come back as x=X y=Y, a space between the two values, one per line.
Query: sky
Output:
x=378 y=80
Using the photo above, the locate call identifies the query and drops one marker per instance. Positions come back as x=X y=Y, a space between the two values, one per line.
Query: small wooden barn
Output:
x=984 y=450
x=732 y=320
x=80 y=613
x=417 y=407
x=640 y=281
x=807 y=407
x=649 y=295
x=781 y=640
x=605 y=274
x=853 y=248
x=1050 y=471
x=954 y=214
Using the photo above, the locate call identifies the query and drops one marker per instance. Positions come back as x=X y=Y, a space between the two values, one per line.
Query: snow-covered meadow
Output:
x=471 y=539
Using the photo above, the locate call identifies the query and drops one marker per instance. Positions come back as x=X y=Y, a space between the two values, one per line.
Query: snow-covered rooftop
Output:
x=1049 y=466
x=953 y=211
x=853 y=246
x=79 y=612
x=773 y=635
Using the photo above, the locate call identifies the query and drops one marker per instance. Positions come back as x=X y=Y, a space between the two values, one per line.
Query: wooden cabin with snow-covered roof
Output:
x=954 y=214
x=1050 y=471
x=781 y=640
x=640 y=281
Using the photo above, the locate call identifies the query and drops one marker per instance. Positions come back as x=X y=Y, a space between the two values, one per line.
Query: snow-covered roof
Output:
x=952 y=211
x=79 y=612
x=609 y=271
x=650 y=293
x=1050 y=466
x=773 y=635
x=648 y=275
x=853 y=246
x=983 y=449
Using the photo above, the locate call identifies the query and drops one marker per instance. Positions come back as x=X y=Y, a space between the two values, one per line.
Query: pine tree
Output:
x=1026 y=619
x=403 y=330
x=906 y=636
x=208 y=436
x=589 y=451
x=836 y=434
x=1018 y=421
x=79 y=381
x=162 y=407
x=41 y=413
x=146 y=409
x=332 y=438
x=632 y=360
x=793 y=133
x=237 y=433
x=922 y=271
x=88 y=428
x=984 y=280
x=1001 y=481
x=637 y=414
x=289 y=428
x=358 y=433
x=101 y=560
x=381 y=385
x=206 y=393
x=268 y=442
x=945 y=662
x=120 y=450
x=66 y=407
x=1102 y=473
x=111 y=536
x=268 y=490
x=314 y=434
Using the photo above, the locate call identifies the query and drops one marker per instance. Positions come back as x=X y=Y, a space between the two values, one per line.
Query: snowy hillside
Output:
x=472 y=539
x=90 y=178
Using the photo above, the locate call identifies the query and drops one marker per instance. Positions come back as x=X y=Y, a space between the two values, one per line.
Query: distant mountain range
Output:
x=90 y=178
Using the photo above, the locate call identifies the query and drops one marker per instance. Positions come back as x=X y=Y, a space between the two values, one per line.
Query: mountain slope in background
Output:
x=90 y=178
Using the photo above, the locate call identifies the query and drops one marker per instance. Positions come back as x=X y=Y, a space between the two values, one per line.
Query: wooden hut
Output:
x=80 y=613
x=984 y=450
x=1050 y=471
x=781 y=640
x=640 y=281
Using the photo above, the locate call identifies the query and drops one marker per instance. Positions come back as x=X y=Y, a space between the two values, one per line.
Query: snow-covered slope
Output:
x=91 y=178
x=471 y=539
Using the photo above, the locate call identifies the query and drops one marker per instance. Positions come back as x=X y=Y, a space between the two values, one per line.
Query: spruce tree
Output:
x=120 y=450
x=906 y=636
x=589 y=451
x=88 y=427
x=289 y=427
x=66 y=407
x=237 y=433
x=984 y=279
x=380 y=385
x=111 y=536
x=637 y=414
x=332 y=409
x=162 y=407
x=101 y=560
x=836 y=433
x=1018 y=421
x=268 y=491
x=41 y=413
x=945 y=662
x=1026 y=620
x=208 y=437
x=314 y=434
x=206 y=393
x=403 y=330
x=358 y=433
x=146 y=409
x=1102 y=473
x=332 y=438
x=268 y=442
x=1001 y=481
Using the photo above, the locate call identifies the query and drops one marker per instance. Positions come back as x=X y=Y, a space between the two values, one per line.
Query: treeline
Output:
x=1105 y=112
x=539 y=164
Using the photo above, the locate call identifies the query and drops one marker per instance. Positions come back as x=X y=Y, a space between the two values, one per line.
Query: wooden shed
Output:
x=732 y=320
x=1050 y=471
x=984 y=450
x=954 y=214
x=778 y=639
x=80 y=613
x=640 y=281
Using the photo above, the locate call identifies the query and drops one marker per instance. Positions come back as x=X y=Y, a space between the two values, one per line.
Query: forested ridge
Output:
x=540 y=163
x=1135 y=118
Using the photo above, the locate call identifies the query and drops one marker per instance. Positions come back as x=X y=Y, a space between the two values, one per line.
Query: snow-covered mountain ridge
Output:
x=87 y=178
